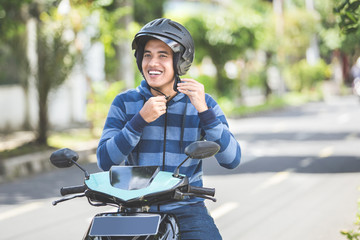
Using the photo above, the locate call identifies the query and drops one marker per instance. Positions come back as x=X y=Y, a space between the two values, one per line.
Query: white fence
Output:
x=67 y=105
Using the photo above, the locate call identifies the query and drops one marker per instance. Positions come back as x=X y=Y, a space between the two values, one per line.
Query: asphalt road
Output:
x=298 y=179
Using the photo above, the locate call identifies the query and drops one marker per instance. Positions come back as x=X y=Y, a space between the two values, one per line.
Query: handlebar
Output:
x=72 y=190
x=201 y=190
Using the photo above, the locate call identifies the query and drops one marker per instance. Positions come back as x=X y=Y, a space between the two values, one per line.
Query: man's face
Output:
x=157 y=65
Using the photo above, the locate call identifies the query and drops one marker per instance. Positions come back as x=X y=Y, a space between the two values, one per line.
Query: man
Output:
x=152 y=124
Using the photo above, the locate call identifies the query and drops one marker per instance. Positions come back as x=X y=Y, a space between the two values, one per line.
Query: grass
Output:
x=274 y=103
x=25 y=148
x=71 y=139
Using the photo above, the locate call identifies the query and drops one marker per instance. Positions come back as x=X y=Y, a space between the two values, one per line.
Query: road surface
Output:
x=298 y=179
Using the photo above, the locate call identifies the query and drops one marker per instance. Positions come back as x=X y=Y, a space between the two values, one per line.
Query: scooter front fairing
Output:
x=134 y=184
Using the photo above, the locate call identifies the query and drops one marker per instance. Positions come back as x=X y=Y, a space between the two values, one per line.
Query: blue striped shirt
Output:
x=128 y=137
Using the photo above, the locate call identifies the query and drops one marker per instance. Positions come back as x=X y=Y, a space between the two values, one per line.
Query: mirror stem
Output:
x=87 y=175
x=177 y=169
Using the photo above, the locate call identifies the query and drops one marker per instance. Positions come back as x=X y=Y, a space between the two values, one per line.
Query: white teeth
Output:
x=154 y=72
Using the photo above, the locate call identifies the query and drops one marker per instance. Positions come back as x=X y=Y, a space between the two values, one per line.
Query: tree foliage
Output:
x=224 y=35
x=306 y=76
x=348 y=20
x=349 y=12
x=13 y=65
x=355 y=233
x=225 y=31
x=55 y=62
x=145 y=11
x=113 y=26
x=54 y=57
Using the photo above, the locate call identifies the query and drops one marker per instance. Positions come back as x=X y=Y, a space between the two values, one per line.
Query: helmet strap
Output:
x=176 y=59
x=176 y=81
x=157 y=90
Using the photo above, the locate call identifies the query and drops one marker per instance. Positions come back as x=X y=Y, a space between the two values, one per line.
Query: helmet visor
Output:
x=175 y=46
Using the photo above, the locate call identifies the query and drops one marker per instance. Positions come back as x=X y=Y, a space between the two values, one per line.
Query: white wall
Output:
x=67 y=105
x=12 y=108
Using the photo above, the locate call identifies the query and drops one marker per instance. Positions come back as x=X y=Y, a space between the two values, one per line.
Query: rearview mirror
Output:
x=198 y=150
x=202 y=149
x=64 y=158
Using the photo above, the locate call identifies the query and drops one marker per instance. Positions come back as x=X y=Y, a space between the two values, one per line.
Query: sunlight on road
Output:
x=223 y=209
x=20 y=210
x=343 y=118
x=279 y=127
x=326 y=152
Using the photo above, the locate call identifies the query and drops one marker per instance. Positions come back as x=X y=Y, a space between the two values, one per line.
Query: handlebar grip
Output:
x=72 y=190
x=202 y=190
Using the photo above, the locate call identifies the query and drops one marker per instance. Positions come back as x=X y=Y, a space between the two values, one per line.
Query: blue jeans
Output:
x=196 y=223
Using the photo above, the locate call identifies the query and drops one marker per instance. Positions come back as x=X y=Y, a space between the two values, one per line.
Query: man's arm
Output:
x=216 y=129
x=121 y=135
x=213 y=122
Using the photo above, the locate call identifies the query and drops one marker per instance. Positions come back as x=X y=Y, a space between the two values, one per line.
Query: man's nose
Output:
x=154 y=61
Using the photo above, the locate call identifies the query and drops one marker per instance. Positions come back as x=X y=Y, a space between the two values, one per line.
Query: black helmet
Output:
x=176 y=36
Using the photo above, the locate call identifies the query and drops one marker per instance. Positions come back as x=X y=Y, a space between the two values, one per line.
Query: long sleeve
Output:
x=122 y=132
x=216 y=129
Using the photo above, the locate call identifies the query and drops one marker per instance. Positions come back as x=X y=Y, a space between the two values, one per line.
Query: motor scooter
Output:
x=132 y=190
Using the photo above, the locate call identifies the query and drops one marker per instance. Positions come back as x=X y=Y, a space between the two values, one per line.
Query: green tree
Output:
x=14 y=68
x=12 y=26
x=224 y=35
x=145 y=11
x=54 y=59
x=115 y=27
x=119 y=21
x=348 y=20
x=340 y=35
x=305 y=76
x=349 y=12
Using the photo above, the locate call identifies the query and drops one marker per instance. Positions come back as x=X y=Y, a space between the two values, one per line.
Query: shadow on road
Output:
x=298 y=164
x=297 y=136
x=46 y=185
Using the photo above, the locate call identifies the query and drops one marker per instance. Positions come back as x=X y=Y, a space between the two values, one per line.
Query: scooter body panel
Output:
x=162 y=182
x=133 y=190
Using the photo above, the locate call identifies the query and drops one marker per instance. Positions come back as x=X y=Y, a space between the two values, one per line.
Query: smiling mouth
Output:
x=154 y=73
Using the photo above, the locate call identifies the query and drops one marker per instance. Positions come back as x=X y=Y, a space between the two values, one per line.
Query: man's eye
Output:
x=163 y=55
x=147 y=55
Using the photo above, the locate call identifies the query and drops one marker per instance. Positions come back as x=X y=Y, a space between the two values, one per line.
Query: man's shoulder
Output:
x=210 y=100
x=131 y=95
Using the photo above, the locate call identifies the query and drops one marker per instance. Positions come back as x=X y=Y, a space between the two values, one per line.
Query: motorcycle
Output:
x=132 y=190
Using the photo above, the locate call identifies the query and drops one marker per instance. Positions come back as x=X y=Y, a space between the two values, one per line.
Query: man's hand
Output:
x=195 y=91
x=153 y=108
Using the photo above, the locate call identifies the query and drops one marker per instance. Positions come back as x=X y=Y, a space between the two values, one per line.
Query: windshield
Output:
x=132 y=177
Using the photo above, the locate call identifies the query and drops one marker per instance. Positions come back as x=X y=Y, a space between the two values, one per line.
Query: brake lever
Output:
x=54 y=203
